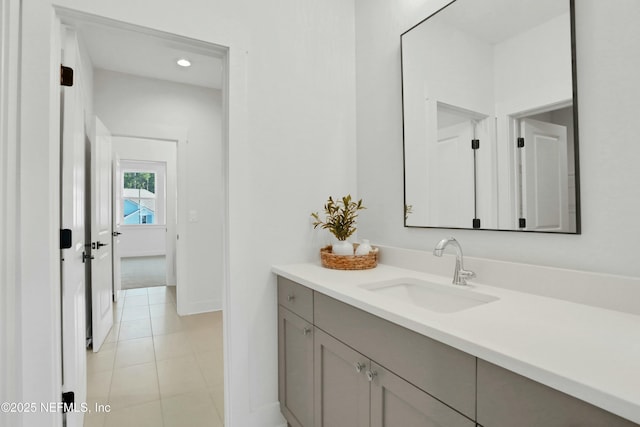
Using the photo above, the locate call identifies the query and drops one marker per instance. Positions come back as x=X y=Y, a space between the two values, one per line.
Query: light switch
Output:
x=193 y=216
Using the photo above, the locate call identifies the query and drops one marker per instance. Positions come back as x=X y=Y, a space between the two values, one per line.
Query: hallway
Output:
x=157 y=369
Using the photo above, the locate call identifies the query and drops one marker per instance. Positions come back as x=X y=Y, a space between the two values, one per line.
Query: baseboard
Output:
x=267 y=415
x=206 y=306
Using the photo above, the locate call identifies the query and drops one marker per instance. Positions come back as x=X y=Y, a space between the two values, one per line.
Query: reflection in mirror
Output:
x=489 y=117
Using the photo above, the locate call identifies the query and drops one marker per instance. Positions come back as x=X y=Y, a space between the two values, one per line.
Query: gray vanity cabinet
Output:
x=442 y=371
x=506 y=399
x=353 y=391
x=396 y=402
x=341 y=385
x=295 y=368
x=295 y=352
x=328 y=378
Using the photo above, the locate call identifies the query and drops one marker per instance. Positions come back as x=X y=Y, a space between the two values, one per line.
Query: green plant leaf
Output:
x=340 y=217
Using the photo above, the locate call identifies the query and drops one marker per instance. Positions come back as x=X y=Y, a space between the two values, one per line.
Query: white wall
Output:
x=533 y=68
x=426 y=83
x=449 y=80
x=121 y=99
x=291 y=144
x=609 y=99
x=144 y=240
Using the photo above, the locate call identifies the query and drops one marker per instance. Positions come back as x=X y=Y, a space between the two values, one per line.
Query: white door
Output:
x=117 y=222
x=451 y=177
x=101 y=235
x=72 y=193
x=545 y=201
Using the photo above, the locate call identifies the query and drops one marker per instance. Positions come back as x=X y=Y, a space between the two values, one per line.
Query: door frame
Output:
x=9 y=292
x=512 y=131
x=165 y=169
x=38 y=363
x=39 y=368
x=177 y=135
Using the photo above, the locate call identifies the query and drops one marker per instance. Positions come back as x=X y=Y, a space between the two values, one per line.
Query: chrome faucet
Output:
x=460 y=275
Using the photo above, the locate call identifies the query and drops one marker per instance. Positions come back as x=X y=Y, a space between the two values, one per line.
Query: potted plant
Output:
x=340 y=220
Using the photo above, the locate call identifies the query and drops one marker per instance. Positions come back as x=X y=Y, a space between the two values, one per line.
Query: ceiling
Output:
x=497 y=20
x=142 y=54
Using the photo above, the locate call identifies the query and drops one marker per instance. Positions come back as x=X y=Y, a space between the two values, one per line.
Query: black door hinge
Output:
x=475 y=144
x=66 y=76
x=476 y=222
x=68 y=401
x=65 y=239
x=520 y=142
x=522 y=223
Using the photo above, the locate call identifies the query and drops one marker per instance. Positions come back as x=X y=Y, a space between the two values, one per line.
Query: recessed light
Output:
x=184 y=62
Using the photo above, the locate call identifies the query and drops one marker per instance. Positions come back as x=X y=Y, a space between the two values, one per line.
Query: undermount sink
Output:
x=430 y=296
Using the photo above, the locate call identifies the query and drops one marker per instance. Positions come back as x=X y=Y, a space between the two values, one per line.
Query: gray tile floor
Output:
x=157 y=369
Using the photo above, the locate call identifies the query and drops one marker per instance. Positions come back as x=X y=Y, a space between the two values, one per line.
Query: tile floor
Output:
x=157 y=369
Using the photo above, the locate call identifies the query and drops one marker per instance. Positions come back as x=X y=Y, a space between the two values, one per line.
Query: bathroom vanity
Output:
x=361 y=349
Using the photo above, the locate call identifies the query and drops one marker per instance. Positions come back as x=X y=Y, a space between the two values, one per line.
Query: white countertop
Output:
x=587 y=352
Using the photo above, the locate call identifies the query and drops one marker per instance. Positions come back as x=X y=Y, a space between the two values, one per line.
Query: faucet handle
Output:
x=466 y=274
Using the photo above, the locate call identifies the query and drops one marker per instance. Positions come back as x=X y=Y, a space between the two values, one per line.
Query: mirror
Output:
x=490 y=118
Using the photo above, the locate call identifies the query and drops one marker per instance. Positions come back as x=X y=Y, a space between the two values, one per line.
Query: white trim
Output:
x=236 y=63
x=41 y=371
x=542 y=109
x=71 y=16
x=10 y=355
x=267 y=415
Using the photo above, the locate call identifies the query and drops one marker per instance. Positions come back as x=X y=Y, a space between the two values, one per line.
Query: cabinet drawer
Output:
x=438 y=369
x=296 y=298
x=507 y=399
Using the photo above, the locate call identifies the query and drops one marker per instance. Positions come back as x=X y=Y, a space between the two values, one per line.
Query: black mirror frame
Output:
x=575 y=129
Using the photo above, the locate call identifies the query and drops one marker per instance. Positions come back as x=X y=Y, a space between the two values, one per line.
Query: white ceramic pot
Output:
x=342 y=247
x=364 y=248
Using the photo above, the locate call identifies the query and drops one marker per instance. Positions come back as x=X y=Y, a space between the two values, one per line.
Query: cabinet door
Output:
x=341 y=386
x=295 y=368
x=395 y=402
x=442 y=371
x=507 y=399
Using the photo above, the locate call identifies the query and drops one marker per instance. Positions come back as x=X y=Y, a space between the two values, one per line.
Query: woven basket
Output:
x=348 y=262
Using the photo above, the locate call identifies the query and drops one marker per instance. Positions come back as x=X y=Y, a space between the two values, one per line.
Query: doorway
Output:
x=144 y=213
x=131 y=107
x=544 y=162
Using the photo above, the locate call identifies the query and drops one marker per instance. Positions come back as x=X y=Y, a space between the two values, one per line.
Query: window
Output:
x=139 y=198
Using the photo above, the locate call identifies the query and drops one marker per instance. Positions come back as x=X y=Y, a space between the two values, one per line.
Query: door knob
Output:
x=116 y=233
x=306 y=331
x=371 y=375
x=86 y=256
x=359 y=367
x=291 y=297
x=99 y=244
